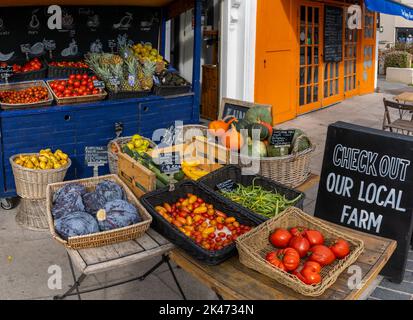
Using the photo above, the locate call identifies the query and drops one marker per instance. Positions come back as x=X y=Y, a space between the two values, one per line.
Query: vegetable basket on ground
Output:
x=104 y=237
x=115 y=147
x=254 y=246
x=262 y=196
x=32 y=183
x=158 y=198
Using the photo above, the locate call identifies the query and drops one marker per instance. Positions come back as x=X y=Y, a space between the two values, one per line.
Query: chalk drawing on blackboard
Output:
x=49 y=45
x=67 y=21
x=71 y=50
x=112 y=45
x=125 y=22
x=6 y=57
x=34 y=23
x=146 y=25
x=93 y=21
x=36 y=50
x=96 y=46
x=123 y=41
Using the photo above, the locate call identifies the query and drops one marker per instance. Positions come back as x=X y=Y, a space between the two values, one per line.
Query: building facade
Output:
x=285 y=63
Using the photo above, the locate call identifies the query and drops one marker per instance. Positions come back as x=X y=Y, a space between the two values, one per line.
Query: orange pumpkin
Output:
x=229 y=120
x=232 y=139
x=217 y=128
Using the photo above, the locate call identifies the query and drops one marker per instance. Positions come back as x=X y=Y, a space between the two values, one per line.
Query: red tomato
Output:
x=91 y=87
x=310 y=277
x=322 y=254
x=314 y=237
x=289 y=257
x=72 y=77
x=300 y=244
x=298 y=275
x=83 y=83
x=298 y=231
x=271 y=257
x=280 y=238
x=340 y=248
x=85 y=76
x=63 y=83
x=78 y=77
x=70 y=82
x=76 y=84
x=95 y=78
x=67 y=91
x=315 y=266
x=60 y=88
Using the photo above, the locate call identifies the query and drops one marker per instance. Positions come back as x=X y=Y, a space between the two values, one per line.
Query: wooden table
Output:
x=405 y=97
x=232 y=281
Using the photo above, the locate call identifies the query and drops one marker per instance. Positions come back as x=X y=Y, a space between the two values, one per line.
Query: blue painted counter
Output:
x=73 y=127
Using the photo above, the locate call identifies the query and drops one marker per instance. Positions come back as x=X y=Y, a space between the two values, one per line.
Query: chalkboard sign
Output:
x=282 y=137
x=6 y=72
x=99 y=84
x=169 y=162
x=96 y=156
x=333 y=34
x=366 y=184
x=30 y=31
x=237 y=108
x=226 y=186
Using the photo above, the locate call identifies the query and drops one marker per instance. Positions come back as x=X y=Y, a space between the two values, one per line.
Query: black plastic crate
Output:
x=232 y=172
x=171 y=90
x=171 y=232
x=128 y=94
x=28 y=76
x=54 y=72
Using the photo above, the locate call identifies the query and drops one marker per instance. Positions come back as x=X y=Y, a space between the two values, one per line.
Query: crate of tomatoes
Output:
x=197 y=221
x=33 y=69
x=78 y=88
x=299 y=251
x=22 y=95
x=57 y=69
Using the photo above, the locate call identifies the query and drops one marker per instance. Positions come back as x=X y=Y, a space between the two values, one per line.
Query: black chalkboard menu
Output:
x=238 y=111
x=32 y=30
x=333 y=34
x=366 y=184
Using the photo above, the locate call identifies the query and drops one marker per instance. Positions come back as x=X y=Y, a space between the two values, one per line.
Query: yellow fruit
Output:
x=28 y=164
x=138 y=143
x=43 y=159
x=64 y=156
x=63 y=162
x=49 y=165
x=136 y=137
x=42 y=165
x=18 y=161
x=57 y=166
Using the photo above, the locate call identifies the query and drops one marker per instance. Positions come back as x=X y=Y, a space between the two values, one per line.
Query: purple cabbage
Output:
x=93 y=202
x=67 y=203
x=110 y=190
x=119 y=214
x=76 y=224
x=68 y=188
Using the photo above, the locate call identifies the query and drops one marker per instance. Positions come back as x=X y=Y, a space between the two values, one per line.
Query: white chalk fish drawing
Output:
x=6 y=57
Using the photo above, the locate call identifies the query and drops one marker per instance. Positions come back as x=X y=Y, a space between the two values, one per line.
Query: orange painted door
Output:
x=310 y=51
x=368 y=53
x=276 y=62
x=351 y=62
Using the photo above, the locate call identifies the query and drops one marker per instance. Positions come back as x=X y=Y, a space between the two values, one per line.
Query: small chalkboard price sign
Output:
x=169 y=162
x=226 y=186
x=96 y=157
x=282 y=137
x=366 y=184
x=5 y=73
x=99 y=84
x=237 y=108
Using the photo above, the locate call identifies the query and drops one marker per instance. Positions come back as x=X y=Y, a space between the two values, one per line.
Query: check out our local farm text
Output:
x=370 y=164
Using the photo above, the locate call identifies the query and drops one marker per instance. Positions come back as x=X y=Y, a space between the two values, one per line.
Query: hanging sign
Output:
x=354 y=16
x=366 y=184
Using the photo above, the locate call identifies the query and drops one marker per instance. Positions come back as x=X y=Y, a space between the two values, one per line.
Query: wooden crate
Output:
x=142 y=180
x=213 y=152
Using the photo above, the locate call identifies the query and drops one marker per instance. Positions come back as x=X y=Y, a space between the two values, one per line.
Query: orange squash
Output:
x=232 y=139
x=217 y=128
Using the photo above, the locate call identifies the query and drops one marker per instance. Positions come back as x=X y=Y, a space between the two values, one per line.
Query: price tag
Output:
x=96 y=157
x=114 y=81
x=226 y=186
x=99 y=84
x=169 y=162
x=6 y=72
x=282 y=137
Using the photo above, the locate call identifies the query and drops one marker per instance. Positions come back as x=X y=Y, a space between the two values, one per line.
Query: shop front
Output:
x=312 y=54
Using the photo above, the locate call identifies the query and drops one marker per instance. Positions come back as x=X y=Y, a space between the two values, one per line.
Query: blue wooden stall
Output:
x=73 y=127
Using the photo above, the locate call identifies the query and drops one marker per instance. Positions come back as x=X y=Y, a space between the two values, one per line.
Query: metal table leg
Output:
x=175 y=278
x=76 y=284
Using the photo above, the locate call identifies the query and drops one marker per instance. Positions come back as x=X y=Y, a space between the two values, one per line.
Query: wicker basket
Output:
x=254 y=245
x=101 y=238
x=291 y=171
x=113 y=156
x=32 y=183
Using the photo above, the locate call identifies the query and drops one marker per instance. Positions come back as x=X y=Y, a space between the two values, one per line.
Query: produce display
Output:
x=77 y=85
x=45 y=160
x=24 y=96
x=68 y=64
x=78 y=212
x=139 y=144
x=304 y=252
x=145 y=52
x=201 y=222
x=192 y=170
x=237 y=135
x=167 y=78
x=32 y=65
x=122 y=74
x=259 y=200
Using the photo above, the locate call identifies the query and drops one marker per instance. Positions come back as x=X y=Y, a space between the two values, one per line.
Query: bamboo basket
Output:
x=113 y=157
x=32 y=183
x=101 y=238
x=291 y=170
x=254 y=245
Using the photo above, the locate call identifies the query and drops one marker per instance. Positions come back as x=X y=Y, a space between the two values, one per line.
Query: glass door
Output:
x=310 y=29
x=367 y=77
x=350 y=62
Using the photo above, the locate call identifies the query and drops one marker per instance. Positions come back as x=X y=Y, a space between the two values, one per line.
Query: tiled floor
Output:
x=25 y=256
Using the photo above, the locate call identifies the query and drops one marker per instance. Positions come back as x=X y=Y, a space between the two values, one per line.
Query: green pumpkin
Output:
x=277 y=151
x=257 y=114
x=264 y=132
x=241 y=124
x=301 y=144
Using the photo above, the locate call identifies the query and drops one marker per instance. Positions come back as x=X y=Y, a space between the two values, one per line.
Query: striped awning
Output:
x=392 y=7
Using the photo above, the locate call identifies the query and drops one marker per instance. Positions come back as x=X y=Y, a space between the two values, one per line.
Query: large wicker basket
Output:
x=291 y=171
x=117 y=143
x=101 y=238
x=32 y=183
x=254 y=245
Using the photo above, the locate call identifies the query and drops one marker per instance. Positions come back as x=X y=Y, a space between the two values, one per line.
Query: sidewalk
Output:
x=25 y=256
